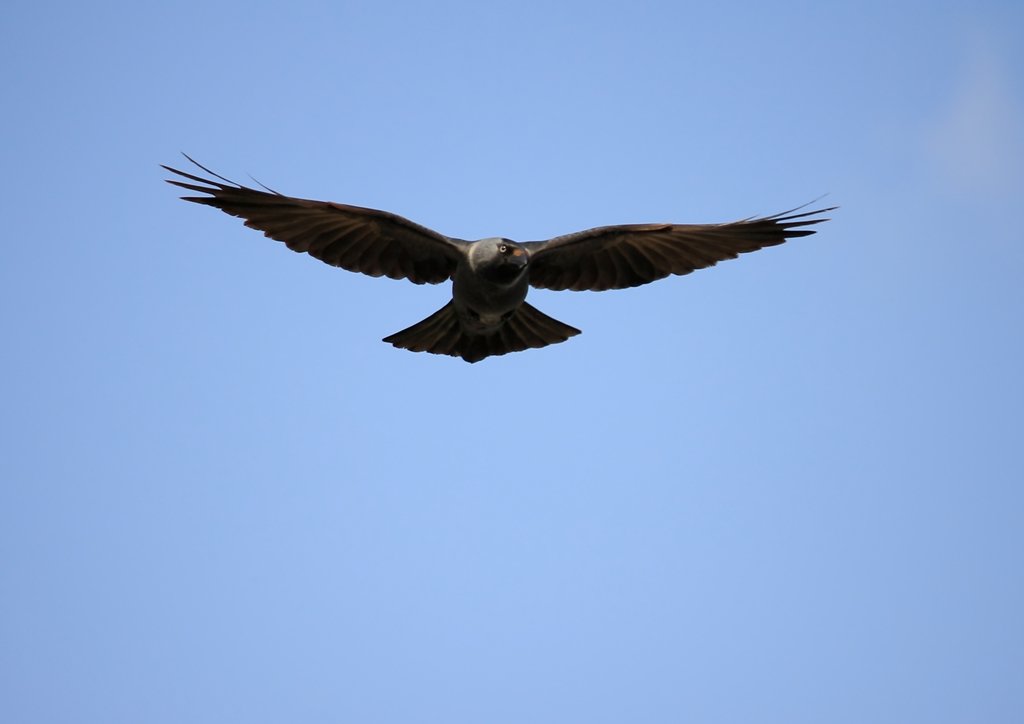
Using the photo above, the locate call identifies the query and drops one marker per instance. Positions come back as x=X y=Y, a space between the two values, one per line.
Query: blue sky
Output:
x=786 y=489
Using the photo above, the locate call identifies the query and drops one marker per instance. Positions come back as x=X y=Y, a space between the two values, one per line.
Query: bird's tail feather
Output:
x=441 y=333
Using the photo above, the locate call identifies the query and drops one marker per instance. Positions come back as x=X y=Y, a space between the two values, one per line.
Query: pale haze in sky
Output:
x=788 y=488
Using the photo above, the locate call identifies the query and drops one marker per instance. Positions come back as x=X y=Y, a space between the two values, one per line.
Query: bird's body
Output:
x=488 y=314
x=490 y=285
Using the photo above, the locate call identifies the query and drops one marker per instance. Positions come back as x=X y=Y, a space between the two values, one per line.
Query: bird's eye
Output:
x=502 y=248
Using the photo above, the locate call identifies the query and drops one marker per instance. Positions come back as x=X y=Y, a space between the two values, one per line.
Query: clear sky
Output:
x=786 y=489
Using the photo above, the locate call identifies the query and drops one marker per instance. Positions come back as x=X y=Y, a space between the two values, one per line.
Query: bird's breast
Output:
x=483 y=300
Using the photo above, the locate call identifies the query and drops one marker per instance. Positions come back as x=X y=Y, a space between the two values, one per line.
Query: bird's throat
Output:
x=502 y=273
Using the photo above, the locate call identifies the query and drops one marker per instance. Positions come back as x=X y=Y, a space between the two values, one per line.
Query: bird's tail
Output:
x=441 y=333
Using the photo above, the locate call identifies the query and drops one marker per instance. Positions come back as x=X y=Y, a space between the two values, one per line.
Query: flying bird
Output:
x=488 y=313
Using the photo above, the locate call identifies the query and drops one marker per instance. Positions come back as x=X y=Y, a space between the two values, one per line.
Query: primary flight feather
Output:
x=488 y=314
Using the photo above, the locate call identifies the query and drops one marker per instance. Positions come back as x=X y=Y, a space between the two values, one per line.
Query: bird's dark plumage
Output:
x=352 y=237
x=488 y=314
x=441 y=333
x=616 y=257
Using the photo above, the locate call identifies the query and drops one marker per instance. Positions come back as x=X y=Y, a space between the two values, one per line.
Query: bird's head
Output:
x=498 y=260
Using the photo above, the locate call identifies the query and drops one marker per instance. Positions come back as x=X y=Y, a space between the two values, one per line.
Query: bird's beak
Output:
x=519 y=257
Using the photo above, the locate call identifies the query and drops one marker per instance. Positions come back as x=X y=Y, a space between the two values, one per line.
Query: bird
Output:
x=488 y=314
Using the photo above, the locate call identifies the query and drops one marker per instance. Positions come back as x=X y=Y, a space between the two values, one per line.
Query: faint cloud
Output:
x=978 y=142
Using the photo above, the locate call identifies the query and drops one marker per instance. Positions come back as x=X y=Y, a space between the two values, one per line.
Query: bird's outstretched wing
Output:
x=351 y=237
x=616 y=257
